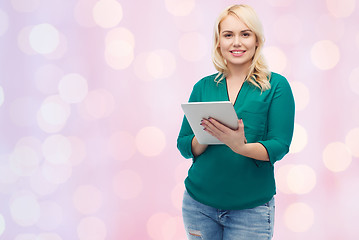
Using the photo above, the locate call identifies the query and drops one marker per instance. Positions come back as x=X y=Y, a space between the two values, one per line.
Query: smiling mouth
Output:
x=237 y=51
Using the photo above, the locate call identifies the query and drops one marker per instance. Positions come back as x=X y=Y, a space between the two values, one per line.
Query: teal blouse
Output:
x=224 y=179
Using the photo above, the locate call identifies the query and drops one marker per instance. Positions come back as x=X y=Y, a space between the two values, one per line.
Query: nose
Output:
x=237 y=41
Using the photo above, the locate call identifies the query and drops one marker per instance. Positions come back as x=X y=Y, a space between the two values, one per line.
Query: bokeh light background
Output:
x=90 y=94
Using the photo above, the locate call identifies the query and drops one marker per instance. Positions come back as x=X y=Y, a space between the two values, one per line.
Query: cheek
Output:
x=252 y=45
x=223 y=45
x=222 y=48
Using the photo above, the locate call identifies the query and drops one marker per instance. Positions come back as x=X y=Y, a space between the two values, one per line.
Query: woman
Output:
x=230 y=187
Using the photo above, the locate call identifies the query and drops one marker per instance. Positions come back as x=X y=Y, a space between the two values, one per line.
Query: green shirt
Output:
x=224 y=179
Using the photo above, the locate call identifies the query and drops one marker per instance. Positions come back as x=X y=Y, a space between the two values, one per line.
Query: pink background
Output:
x=90 y=95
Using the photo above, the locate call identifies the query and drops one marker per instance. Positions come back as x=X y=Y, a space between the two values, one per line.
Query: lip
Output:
x=237 y=53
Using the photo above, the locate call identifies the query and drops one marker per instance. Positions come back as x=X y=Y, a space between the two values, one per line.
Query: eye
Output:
x=227 y=35
x=246 y=34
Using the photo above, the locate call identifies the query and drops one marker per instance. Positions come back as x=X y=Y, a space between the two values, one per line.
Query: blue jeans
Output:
x=208 y=223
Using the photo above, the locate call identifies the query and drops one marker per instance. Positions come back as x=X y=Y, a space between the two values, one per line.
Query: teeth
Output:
x=237 y=51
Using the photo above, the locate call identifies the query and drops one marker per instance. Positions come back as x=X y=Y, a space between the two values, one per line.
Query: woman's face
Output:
x=237 y=42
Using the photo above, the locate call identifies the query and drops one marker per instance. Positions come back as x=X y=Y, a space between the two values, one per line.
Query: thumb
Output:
x=240 y=124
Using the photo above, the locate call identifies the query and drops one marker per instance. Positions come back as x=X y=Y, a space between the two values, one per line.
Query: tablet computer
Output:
x=222 y=111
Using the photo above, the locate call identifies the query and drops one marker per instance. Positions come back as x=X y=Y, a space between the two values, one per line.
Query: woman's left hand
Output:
x=235 y=139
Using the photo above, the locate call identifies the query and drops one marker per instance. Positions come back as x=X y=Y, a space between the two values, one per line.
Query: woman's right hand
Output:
x=197 y=148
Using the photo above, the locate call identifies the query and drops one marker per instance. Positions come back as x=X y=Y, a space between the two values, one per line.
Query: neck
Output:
x=237 y=73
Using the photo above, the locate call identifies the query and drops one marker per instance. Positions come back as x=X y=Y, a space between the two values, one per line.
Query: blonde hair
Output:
x=259 y=73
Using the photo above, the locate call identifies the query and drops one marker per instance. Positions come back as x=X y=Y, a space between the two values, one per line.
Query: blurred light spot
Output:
x=337 y=157
x=56 y=174
x=25 y=209
x=329 y=27
x=127 y=184
x=54 y=111
x=276 y=58
x=4 y=22
x=2 y=96
x=180 y=7
x=73 y=88
x=325 y=54
x=354 y=80
x=47 y=78
x=2 y=225
x=98 y=103
x=24 y=161
x=161 y=226
x=342 y=8
x=121 y=146
x=160 y=64
x=22 y=111
x=83 y=13
x=26 y=236
x=40 y=185
x=48 y=236
x=193 y=46
x=150 y=141
x=281 y=177
x=78 y=150
x=44 y=38
x=91 y=228
x=24 y=42
x=191 y=22
x=352 y=141
x=299 y=217
x=177 y=195
x=25 y=5
x=301 y=179
x=107 y=13
x=280 y=3
x=157 y=64
x=301 y=95
x=87 y=199
x=300 y=139
x=120 y=34
x=119 y=54
x=288 y=29
x=53 y=114
x=57 y=149
x=51 y=217
x=60 y=50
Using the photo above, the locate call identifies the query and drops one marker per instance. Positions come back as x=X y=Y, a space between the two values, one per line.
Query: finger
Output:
x=214 y=132
x=209 y=125
x=211 y=129
x=218 y=125
x=240 y=122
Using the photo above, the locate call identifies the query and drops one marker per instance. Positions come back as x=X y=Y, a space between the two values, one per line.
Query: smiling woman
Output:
x=241 y=32
x=235 y=181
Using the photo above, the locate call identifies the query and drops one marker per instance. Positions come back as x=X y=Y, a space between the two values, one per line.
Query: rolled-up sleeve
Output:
x=185 y=136
x=280 y=123
x=184 y=140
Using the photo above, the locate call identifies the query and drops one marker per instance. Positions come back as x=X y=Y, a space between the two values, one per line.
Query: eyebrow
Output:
x=246 y=30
